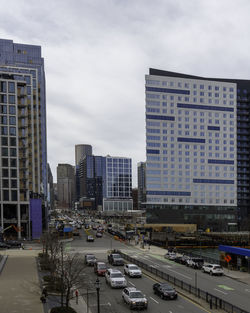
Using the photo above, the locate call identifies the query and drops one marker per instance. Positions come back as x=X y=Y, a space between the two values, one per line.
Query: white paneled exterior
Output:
x=191 y=141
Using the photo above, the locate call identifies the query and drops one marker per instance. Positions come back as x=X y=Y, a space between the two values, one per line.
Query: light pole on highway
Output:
x=97 y=286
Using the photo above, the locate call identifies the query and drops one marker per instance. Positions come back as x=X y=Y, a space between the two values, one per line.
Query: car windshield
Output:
x=90 y=257
x=217 y=267
x=116 y=275
x=101 y=266
x=136 y=295
x=133 y=267
x=116 y=256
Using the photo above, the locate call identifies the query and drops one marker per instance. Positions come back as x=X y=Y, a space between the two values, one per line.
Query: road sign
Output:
x=228 y=258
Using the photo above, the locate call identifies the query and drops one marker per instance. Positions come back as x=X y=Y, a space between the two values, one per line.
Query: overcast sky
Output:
x=97 y=53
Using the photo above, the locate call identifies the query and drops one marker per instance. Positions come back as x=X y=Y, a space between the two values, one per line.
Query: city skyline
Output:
x=95 y=68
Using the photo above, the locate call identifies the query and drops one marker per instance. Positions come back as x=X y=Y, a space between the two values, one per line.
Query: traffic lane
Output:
x=180 y=305
x=111 y=299
x=220 y=286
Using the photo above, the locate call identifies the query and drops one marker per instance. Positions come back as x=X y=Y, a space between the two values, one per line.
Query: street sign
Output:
x=228 y=258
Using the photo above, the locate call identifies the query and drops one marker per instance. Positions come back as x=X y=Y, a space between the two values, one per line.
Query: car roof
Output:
x=132 y=265
x=101 y=263
x=131 y=289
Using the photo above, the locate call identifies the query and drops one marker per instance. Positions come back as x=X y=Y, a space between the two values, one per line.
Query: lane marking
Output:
x=154 y=300
x=131 y=283
x=247 y=290
x=220 y=291
x=180 y=274
x=225 y=287
x=181 y=296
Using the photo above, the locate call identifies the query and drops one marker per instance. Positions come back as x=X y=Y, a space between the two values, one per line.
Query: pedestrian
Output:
x=43 y=299
x=76 y=294
x=45 y=292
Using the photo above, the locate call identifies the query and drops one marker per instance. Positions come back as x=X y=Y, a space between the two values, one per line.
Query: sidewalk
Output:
x=20 y=288
x=237 y=275
x=19 y=285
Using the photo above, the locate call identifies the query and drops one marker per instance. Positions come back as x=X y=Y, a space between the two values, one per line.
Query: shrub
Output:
x=48 y=278
x=63 y=309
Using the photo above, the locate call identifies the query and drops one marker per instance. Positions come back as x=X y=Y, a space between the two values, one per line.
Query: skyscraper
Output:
x=197 y=149
x=65 y=185
x=108 y=180
x=81 y=151
x=23 y=138
x=141 y=176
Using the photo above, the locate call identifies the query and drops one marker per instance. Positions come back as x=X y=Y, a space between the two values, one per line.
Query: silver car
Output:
x=132 y=270
x=134 y=298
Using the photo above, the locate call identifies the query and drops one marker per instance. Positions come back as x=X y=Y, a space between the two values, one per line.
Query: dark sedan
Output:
x=165 y=291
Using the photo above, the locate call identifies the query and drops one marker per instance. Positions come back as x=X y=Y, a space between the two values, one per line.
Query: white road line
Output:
x=180 y=274
x=220 y=291
x=248 y=290
x=131 y=283
x=154 y=300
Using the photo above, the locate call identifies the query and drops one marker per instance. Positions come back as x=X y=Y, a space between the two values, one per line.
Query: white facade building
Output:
x=191 y=141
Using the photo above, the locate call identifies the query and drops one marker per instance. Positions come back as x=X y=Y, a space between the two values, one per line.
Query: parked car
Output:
x=14 y=243
x=90 y=259
x=170 y=256
x=212 y=269
x=100 y=268
x=94 y=227
x=178 y=259
x=90 y=238
x=115 y=278
x=98 y=234
x=165 y=291
x=132 y=270
x=3 y=245
x=196 y=263
x=134 y=298
x=115 y=259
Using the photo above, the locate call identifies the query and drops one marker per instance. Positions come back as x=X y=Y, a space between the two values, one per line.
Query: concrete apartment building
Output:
x=197 y=134
x=23 y=143
x=65 y=186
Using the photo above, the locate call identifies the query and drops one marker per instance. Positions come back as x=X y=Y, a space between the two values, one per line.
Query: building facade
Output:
x=81 y=151
x=197 y=145
x=23 y=141
x=117 y=189
x=108 y=180
x=141 y=181
x=65 y=186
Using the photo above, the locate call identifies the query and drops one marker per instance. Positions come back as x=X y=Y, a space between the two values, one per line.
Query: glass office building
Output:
x=108 y=180
x=193 y=167
x=23 y=134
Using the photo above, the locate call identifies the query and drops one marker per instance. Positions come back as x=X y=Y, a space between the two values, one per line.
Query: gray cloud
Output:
x=97 y=53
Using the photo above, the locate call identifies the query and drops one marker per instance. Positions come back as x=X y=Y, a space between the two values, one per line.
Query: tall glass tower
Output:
x=23 y=138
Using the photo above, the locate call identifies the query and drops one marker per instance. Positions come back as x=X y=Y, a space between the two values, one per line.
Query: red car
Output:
x=100 y=268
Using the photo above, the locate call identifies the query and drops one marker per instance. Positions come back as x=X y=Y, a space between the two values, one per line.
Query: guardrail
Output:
x=214 y=301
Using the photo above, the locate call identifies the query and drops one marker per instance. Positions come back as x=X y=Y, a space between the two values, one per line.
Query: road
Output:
x=110 y=299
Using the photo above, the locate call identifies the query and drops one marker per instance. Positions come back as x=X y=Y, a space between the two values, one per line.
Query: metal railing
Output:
x=214 y=301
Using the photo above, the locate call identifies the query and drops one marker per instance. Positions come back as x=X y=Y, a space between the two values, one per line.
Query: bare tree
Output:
x=71 y=266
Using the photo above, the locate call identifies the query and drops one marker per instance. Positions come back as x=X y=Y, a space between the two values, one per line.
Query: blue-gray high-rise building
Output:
x=197 y=133
x=23 y=138
x=108 y=180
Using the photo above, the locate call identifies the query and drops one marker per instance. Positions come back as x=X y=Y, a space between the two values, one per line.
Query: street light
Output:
x=97 y=286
